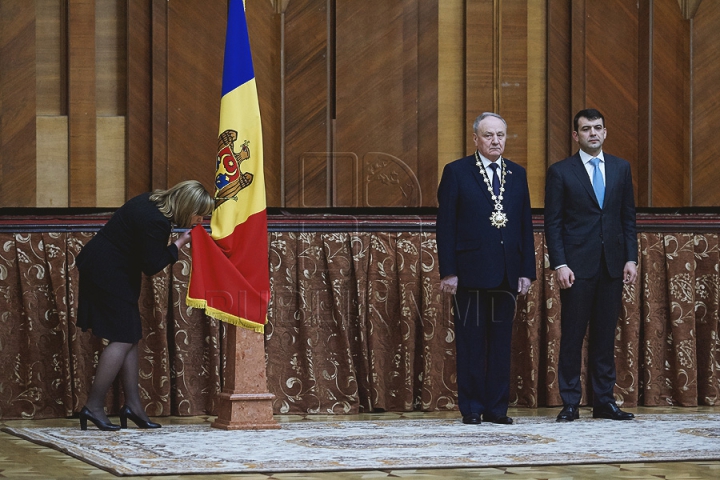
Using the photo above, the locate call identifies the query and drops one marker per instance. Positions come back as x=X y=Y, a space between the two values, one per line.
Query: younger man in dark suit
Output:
x=487 y=256
x=592 y=244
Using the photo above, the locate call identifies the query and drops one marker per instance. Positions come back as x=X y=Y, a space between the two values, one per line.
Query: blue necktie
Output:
x=598 y=183
x=495 y=180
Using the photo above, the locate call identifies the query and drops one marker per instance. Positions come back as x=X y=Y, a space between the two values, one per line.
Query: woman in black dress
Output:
x=134 y=241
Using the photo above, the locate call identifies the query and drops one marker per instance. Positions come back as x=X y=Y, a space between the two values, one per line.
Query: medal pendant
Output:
x=498 y=219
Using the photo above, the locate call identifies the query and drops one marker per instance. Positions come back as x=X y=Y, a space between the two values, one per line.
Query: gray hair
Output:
x=485 y=115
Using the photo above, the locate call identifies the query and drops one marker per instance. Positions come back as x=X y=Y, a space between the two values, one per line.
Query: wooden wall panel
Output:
x=17 y=104
x=196 y=39
x=578 y=58
x=481 y=91
x=705 y=111
x=559 y=106
x=82 y=107
x=111 y=101
x=51 y=104
x=452 y=123
x=306 y=99
x=110 y=54
x=52 y=161
x=376 y=104
x=645 y=43
x=110 y=172
x=160 y=85
x=51 y=57
x=611 y=40
x=670 y=118
x=537 y=86
x=139 y=137
x=513 y=77
x=372 y=120
x=264 y=27
x=427 y=100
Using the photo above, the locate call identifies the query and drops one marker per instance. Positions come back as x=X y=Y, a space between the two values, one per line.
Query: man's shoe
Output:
x=472 y=419
x=502 y=419
x=568 y=413
x=611 y=412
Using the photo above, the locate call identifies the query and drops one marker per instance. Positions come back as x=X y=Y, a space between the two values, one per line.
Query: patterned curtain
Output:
x=356 y=324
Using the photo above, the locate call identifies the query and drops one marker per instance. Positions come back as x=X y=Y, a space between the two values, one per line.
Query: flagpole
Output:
x=245 y=403
x=230 y=275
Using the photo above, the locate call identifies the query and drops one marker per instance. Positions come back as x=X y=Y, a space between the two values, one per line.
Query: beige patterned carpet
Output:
x=396 y=444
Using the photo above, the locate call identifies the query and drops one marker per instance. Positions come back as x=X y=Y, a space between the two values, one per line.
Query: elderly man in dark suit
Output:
x=487 y=256
x=592 y=243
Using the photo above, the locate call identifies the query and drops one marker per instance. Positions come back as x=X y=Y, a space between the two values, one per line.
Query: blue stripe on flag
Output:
x=238 y=67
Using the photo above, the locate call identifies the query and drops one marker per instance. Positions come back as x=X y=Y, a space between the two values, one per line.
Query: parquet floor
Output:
x=20 y=459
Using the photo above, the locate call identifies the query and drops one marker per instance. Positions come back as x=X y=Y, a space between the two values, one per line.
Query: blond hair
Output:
x=183 y=201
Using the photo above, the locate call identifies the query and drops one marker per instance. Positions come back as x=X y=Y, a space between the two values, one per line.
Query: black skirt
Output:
x=107 y=315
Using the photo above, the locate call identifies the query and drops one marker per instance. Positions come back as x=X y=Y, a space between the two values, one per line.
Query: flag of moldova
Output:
x=230 y=277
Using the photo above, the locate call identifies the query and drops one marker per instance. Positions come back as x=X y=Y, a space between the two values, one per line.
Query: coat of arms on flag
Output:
x=229 y=180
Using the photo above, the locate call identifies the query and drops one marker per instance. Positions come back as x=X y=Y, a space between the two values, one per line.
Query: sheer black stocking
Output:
x=117 y=357
x=130 y=382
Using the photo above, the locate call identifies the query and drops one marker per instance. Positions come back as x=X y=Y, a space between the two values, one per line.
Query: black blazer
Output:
x=134 y=241
x=577 y=230
x=468 y=245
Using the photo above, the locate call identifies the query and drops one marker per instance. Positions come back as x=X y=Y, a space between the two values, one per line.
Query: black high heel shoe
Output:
x=126 y=413
x=86 y=414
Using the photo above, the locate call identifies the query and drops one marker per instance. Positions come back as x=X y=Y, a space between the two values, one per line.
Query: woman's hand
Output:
x=183 y=239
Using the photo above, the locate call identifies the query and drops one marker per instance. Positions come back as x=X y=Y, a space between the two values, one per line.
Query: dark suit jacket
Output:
x=468 y=245
x=577 y=230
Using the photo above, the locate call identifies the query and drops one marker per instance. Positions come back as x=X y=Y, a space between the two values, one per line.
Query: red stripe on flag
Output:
x=231 y=275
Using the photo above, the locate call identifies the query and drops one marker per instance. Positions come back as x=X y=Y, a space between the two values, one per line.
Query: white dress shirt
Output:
x=586 y=157
x=486 y=163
